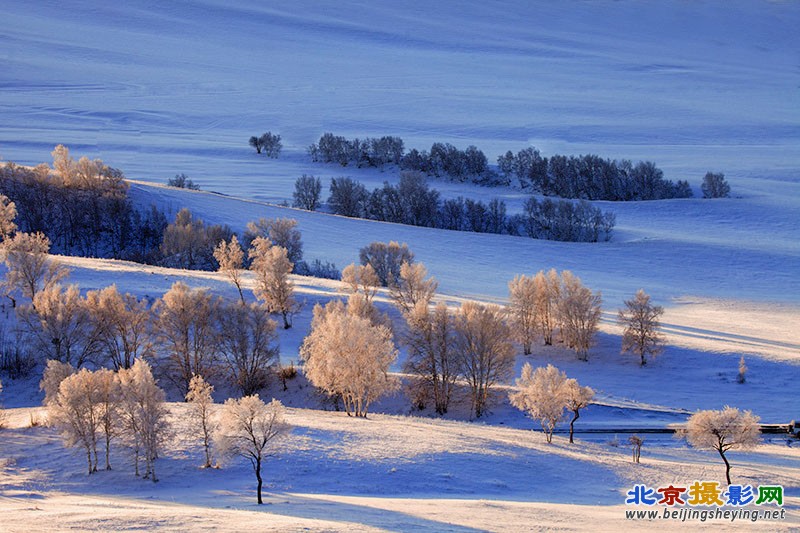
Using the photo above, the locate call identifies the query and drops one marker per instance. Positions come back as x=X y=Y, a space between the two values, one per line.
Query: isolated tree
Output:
x=251 y=429
x=347 y=355
x=54 y=373
x=386 y=259
x=202 y=424
x=271 y=144
x=307 y=191
x=75 y=412
x=248 y=343
x=541 y=395
x=547 y=288
x=522 y=311
x=715 y=186
x=432 y=358
x=724 y=430
x=272 y=267
x=64 y=164
x=143 y=414
x=579 y=313
x=642 y=334
x=281 y=232
x=123 y=324
x=61 y=326
x=636 y=442
x=230 y=257
x=30 y=269
x=412 y=286
x=361 y=279
x=576 y=398
x=740 y=378
x=185 y=320
x=485 y=351
x=8 y=213
x=256 y=143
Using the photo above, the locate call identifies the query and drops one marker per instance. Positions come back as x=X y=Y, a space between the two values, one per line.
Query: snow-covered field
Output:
x=158 y=89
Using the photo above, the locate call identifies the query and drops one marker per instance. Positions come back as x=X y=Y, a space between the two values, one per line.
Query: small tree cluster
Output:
x=269 y=143
x=88 y=407
x=189 y=243
x=445 y=160
x=281 y=232
x=307 y=192
x=371 y=152
x=386 y=259
x=715 y=186
x=562 y=220
x=545 y=393
x=548 y=302
x=182 y=181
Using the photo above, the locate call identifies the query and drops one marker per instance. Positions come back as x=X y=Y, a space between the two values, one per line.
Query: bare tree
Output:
x=307 y=191
x=252 y=430
x=642 y=327
x=30 y=269
x=143 y=415
x=202 y=423
x=272 y=267
x=522 y=310
x=347 y=355
x=579 y=313
x=431 y=354
x=636 y=442
x=123 y=324
x=724 y=430
x=411 y=287
x=185 y=319
x=576 y=398
x=486 y=353
x=230 y=258
x=542 y=395
x=715 y=186
x=61 y=326
x=248 y=343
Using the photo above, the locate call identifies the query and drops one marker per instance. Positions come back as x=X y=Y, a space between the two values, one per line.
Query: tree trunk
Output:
x=260 y=481
x=727 y=465
x=89 y=459
x=286 y=324
x=572 y=424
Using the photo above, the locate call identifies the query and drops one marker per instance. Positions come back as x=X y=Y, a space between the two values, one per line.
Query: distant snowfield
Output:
x=158 y=89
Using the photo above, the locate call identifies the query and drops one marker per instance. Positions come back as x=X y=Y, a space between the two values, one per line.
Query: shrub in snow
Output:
x=182 y=181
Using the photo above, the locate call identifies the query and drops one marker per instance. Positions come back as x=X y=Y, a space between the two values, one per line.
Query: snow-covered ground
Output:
x=158 y=89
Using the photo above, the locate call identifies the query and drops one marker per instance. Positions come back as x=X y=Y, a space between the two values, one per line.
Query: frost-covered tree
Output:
x=281 y=232
x=307 y=191
x=412 y=286
x=123 y=323
x=579 y=314
x=430 y=339
x=108 y=402
x=230 y=258
x=30 y=269
x=189 y=243
x=54 y=373
x=248 y=343
x=8 y=214
x=75 y=411
x=347 y=355
x=715 y=186
x=253 y=430
x=577 y=397
x=386 y=259
x=723 y=430
x=642 y=335
x=61 y=326
x=143 y=415
x=186 y=320
x=361 y=279
x=522 y=310
x=548 y=292
x=272 y=267
x=202 y=423
x=740 y=378
x=485 y=351
x=542 y=395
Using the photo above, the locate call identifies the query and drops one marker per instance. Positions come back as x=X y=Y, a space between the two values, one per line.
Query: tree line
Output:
x=412 y=201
